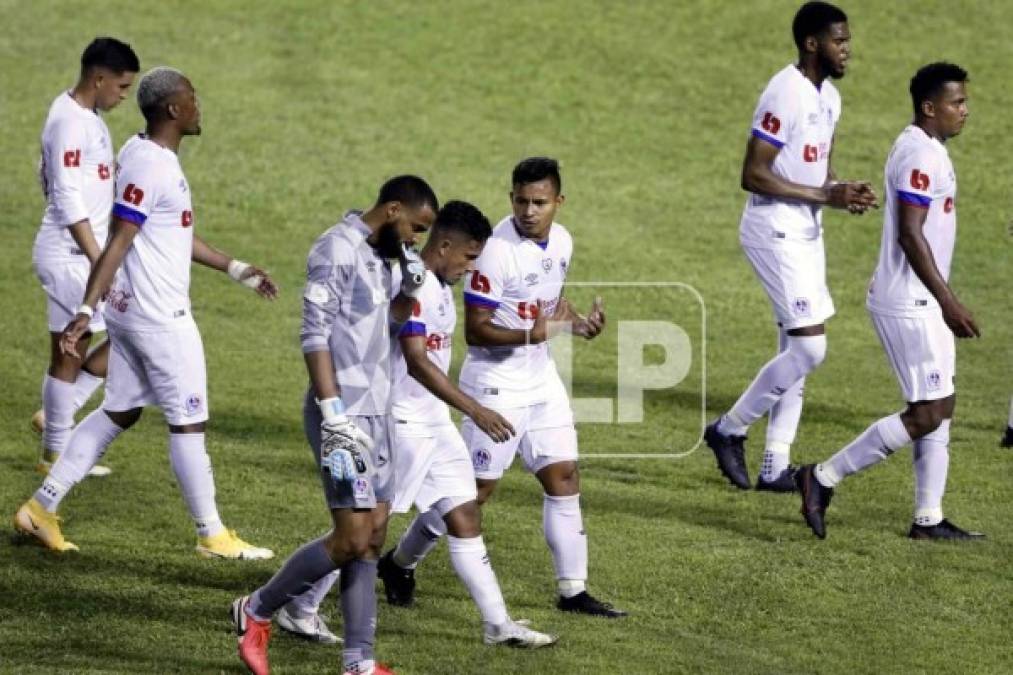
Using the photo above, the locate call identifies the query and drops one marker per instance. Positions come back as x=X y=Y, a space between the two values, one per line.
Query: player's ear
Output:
x=560 y=199
x=928 y=108
x=811 y=44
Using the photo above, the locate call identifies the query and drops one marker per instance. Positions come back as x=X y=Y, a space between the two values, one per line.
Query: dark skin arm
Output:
x=321 y=371
x=919 y=255
x=205 y=254
x=99 y=280
x=85 y=239
x=758 y=177
x=432 y=378
x=480 y=331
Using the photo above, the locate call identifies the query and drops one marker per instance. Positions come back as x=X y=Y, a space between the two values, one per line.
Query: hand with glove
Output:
x=344 y=448
x=413 y=272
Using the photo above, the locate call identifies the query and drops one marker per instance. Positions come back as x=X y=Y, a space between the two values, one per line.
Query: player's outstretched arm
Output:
x=919 y=255
x=758 y=177
x=244 y=273
x=99 y=281
x=432 y=378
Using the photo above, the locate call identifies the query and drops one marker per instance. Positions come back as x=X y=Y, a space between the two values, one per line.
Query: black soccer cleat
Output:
x=730 y=453
x=944 y=529
x=1007 y=438
x=815 y=499
x=398 y=582
x=585 y=603
x=785 y=482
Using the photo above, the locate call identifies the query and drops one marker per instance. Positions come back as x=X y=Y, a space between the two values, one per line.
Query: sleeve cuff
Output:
x=479 y=301
x=128 y=214
x=412 y=328
x=768 y=138
x=921 y=201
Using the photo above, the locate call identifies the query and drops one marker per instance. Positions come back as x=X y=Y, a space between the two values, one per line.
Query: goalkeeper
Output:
x=354 y=268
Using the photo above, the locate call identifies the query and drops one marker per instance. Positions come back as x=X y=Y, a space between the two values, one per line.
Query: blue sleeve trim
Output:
x=412 y=329
x=767 y=137
x=479 y=301
x=914 y=199
x=128 y=214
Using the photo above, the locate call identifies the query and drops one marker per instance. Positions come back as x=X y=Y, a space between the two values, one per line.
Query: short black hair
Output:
x=534 y=169
x=813 y=18
x=458 y=216
x=107 y=52
x=930 y=79
x=411 y=191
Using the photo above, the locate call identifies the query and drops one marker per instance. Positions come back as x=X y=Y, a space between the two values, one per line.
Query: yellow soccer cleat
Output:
x=48 y=457
x=34 y=521
x=227 y=544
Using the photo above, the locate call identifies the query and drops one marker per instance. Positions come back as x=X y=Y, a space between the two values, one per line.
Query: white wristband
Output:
x=237 y=268
x=85 y=309
x=332 y=409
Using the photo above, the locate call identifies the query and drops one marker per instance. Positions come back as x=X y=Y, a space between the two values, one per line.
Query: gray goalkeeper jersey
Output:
x=346 y=310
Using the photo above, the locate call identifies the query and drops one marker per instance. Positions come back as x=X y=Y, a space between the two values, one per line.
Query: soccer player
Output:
x=157 y=356
x=514 y=303
x=76 y=172
x=787 y=169
x=432 y=465
x=346 y=341
x=914 y=311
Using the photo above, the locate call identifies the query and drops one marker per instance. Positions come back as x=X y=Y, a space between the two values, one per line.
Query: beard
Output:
x=388 y=243
x=830 y=68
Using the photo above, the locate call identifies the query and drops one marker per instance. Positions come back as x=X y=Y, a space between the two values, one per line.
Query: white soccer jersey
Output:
x=433 y=317
x=511 y=276
x=918 y=172
x=799 y=119
x=153 y=286
x=76 y=174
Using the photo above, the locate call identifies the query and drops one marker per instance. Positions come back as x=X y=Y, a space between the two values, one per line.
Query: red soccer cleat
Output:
x=253 y=637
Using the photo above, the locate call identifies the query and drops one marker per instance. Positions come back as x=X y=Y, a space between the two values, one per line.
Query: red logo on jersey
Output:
x=133 y=194
x=527 y=310
x=480 y=282
x=72 y=158
x=438 y=341
x=416 y=308
x=771 y=123
x=919 y=180
x=103 y=172
x=187 y=218
x=948 y=205
x=810 y=153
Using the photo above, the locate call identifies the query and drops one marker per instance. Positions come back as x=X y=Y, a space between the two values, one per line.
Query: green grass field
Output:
x=308 y=106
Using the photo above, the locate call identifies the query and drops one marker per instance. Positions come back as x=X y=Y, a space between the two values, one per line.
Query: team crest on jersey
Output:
x=482 y=458
x=814 y=118
x=563 y=265
x=531 y=279
x=442 y=309
x=371 y=265
x=801 y=306
x=546 y=264
x=182 y=185
x=194 y=403
x=934 y=380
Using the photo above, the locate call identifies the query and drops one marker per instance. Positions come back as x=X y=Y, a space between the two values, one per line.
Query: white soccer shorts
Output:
x=430 y=463
x=922 y=352
x=64 y=283
x=545 y=435
x=794 y=275
x=163 y=367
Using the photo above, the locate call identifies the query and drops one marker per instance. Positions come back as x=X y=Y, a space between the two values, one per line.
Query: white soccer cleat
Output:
x=227 y=544
x=515 y=634
x=47 y=459
x=310 y=628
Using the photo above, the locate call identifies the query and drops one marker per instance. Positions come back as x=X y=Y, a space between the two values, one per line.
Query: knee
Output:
x=561 y=479
x=349 y=545
x=809 y=351
x=484 y=493
x=924 y=420
x=464 y=521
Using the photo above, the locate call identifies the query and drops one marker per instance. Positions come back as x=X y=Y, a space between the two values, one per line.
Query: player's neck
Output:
x=164 y=135
x=930 y=130
x=374 y=219
x=84 y=94
x=812 y=72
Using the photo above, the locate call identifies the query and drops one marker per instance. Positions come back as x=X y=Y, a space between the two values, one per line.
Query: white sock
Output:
x=564 y=533
x=781 y=429
x=471 y=562
x=309 y=602
x=192 y=466
x=777 y=376
x=1009 y=422
x=85 y=448
x=421 y=537
x=84 y=387
x=931 y=462
x=58 y=406
x=875 y=444
x=776 y=458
